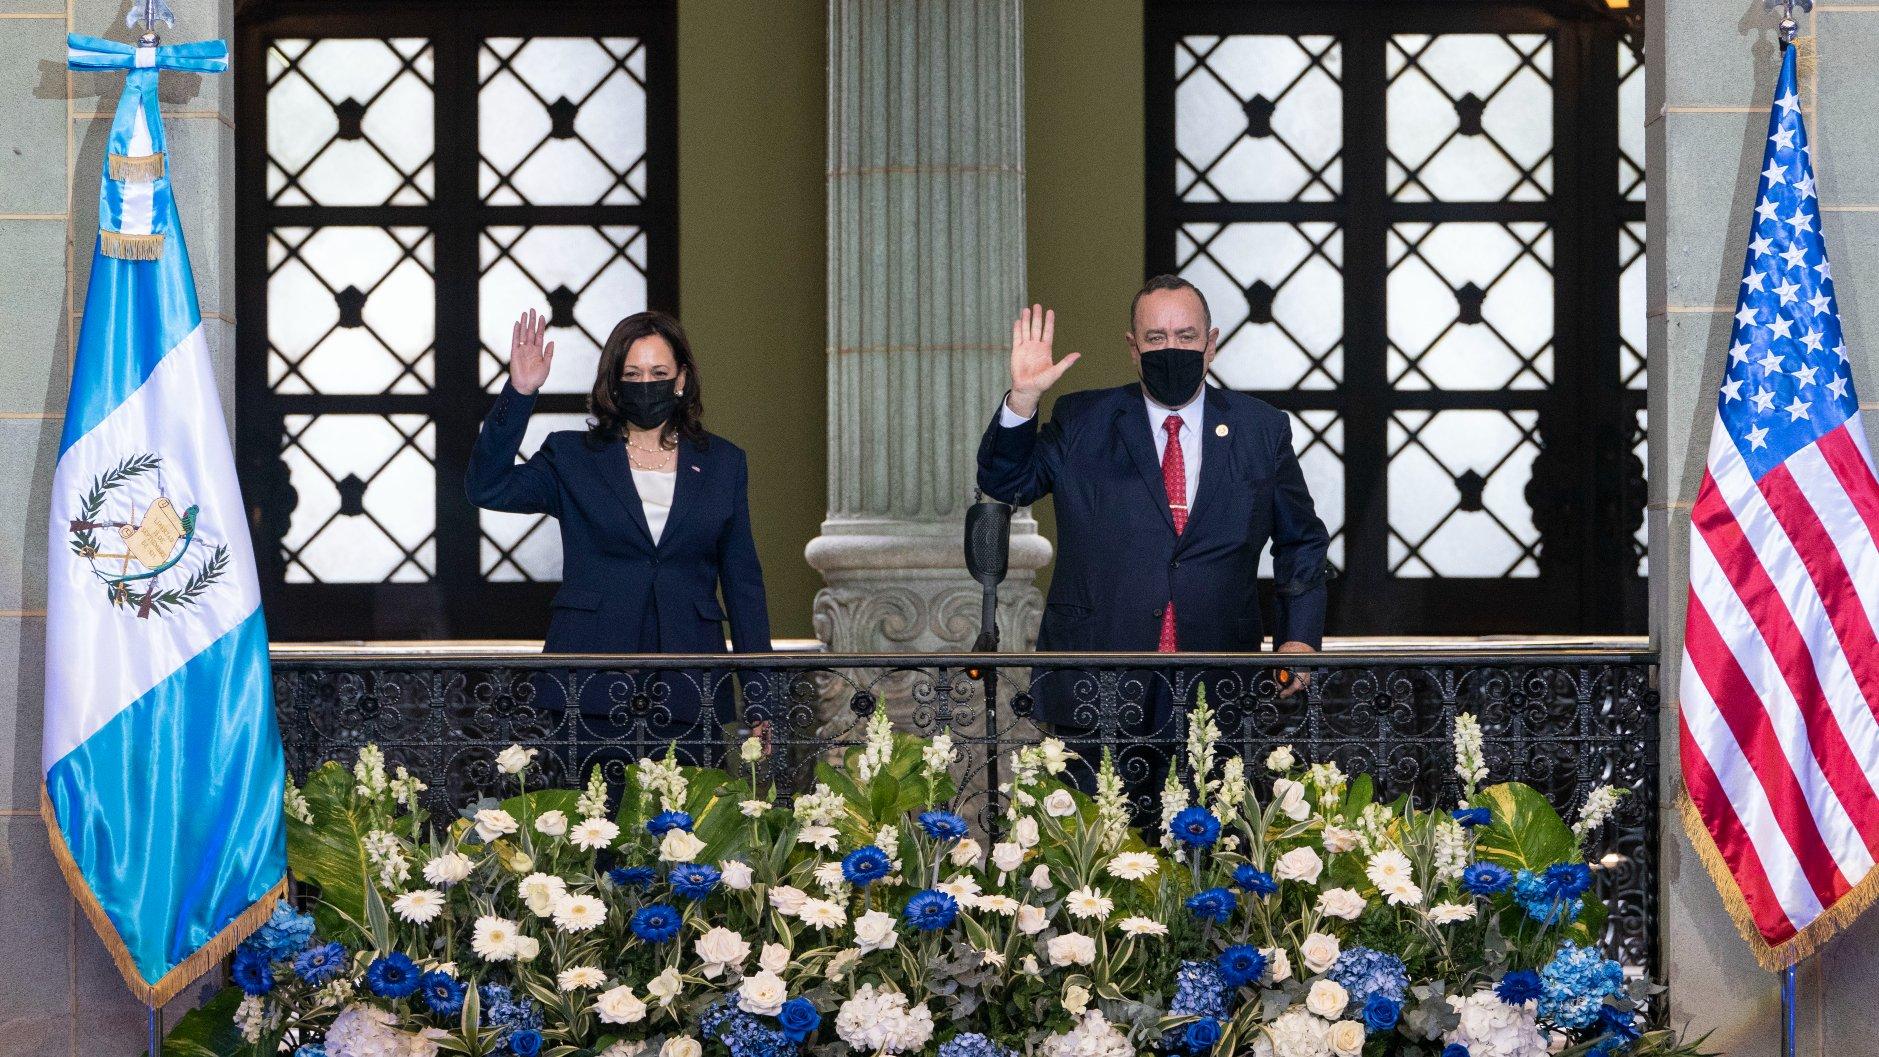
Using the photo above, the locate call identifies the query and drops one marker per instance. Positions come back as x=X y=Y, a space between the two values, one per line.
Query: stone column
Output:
x=926 y=272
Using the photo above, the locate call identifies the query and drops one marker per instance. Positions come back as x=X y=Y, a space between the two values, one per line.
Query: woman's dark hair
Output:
x=687 y=421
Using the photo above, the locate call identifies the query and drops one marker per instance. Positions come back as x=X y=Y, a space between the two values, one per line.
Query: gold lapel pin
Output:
x=1221 y=430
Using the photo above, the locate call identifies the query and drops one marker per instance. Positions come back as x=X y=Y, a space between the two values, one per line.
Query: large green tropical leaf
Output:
x=208 y=1031
x=1527 y=834
x=330 y=853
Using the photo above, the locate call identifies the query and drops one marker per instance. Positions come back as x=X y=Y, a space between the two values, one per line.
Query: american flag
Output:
x=1780 y=682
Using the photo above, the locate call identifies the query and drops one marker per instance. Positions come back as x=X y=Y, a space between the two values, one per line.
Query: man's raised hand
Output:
x=1033 y=371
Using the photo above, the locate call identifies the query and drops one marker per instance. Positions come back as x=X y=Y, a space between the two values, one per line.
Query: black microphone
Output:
x=988 y=554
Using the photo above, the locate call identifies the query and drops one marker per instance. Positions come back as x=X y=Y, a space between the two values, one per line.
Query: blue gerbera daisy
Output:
x=1252 y=879
x=317 y=965
x=442 y=993
x=392 y=975
x=656 y=923
x=1195 y=826
x=866 y=865
x=253 y=971
x=931 y=910
x=694 y=880
x=667 y=821
x=942 y=825
x=1213 y=904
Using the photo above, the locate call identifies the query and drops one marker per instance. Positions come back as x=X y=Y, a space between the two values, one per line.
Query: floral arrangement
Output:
x=699 y=914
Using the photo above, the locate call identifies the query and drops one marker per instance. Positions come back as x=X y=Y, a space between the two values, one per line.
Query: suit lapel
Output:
x=1131 y=424
x=691 y=476
x=618 y=473
x=1216 y=451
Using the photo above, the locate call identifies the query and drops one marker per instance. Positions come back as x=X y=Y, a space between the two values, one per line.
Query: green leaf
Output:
x=1526 y=833
x=1357 y=796
x=883 y=796
x=208 y=1031
x=331 y=852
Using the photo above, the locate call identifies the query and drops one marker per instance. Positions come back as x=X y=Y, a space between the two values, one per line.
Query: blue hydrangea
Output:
x=253 y=969
x=743 y=1034
x=286 y=933
x=973 y=1044
x=633 y=876
x=694 y=880
x=1576 y=983
x=931 y=910
x=1620 y=1026
x=1544 y=901
x=667 y=821
x=1200 y=990
x=310 y=1049
x=1213 y=904
x=501 y=1009
x=656 y=923
x=1241 y=964
x=1363 y=972
x=1196 y=827
x=392 y=975
x=942 y=825
x=1519 y=986
x=317 y=965
x=866 y=865
x=1252 y=879
x=1486 y=878
x=442 y=993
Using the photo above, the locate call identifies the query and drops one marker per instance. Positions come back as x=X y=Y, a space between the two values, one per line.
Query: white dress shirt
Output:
x=655 y=497
x=1191 y=426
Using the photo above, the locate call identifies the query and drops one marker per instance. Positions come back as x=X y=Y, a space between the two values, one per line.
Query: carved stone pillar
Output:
x=926 y=270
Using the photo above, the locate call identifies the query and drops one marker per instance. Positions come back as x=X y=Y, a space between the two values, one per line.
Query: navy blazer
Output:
x=611 y=569
x=1118 y=558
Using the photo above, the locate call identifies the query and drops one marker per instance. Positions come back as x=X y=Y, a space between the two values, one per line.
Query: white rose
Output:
x=788 y=900
x=720 y=949
x=735 y=873
x=1278 y=964
x=448 y=869
x=1290 y=796
x=1280 y=760
x=1076 y=999
x=874 y=931
x=763 y=994
x=1299 y=864
x=551 y=823
x=1327 y=998
x=665 y=987
x=514 y=759
x=679 y=846
x=1031 y=920
x=1346 y=1038
x=493 y=822
x=1007 y=856
x=1338 y=840
x=681 y=1046
x=1071 y=948
x=965 y=854
x=1025 y=832
x=540 y=891
x=1060 y=804
x=1040 y=877
x=526 y=948
x=1341 y=903
x=620 y=1005
x=1319 y=952
x=752 y=750
x=773 y=958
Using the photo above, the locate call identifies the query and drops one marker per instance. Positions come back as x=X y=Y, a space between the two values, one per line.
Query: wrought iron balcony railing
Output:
x=1562 y=720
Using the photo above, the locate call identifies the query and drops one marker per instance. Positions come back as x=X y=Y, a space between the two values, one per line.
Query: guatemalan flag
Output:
x=163 y=766
x=1780 y=681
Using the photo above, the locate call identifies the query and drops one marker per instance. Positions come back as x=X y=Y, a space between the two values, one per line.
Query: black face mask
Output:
x=1173 y=376
x=646 y=404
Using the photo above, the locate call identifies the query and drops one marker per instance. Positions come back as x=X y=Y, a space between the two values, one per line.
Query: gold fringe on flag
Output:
x=206 y=957
x=130 y=247
x=143 y=167
x=1805 y=943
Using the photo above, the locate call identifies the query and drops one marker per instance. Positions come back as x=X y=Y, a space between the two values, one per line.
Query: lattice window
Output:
x=419 y=175
x=1420 y=230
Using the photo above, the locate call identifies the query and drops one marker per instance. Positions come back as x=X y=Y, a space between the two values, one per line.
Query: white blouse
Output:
x=655 y=495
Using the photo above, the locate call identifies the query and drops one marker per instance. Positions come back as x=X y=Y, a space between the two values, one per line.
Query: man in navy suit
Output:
x=1167 y=491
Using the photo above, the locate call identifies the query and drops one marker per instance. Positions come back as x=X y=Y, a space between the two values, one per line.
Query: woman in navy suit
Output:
x=655 y=520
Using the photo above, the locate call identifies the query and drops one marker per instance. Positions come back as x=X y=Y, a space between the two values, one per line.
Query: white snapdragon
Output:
x=876 y=749
x=1452 y=853
x=752 y=749
x=295 y=803
x=1470 y=762
x=1203 y=739
x=1598 y=808
x=820 y=807
x=593 y=799
x=368 y=772
x=406 y=787
x=939 y=755
x=1112 y=803
x=664 y=779
x=1232 y=791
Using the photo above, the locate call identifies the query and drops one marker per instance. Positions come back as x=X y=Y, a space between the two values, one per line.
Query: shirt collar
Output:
x=1190 y=414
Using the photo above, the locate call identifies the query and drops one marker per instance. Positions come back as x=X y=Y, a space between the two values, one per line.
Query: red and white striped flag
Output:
x=1780 y=682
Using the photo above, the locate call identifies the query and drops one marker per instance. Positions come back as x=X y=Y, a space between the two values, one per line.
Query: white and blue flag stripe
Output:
x=163 y=765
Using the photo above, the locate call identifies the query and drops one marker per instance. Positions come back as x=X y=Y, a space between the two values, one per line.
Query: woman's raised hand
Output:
x=529 y=359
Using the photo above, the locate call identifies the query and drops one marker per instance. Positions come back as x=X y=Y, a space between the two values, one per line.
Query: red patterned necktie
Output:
x=1174 y=479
